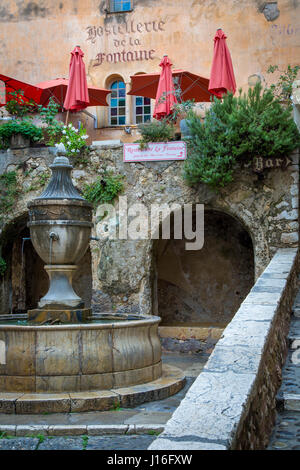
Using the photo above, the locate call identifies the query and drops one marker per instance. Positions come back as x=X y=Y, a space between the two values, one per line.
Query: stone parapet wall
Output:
x=231 y=405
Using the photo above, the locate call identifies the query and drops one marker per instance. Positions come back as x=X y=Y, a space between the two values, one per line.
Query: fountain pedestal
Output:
x=60 y=228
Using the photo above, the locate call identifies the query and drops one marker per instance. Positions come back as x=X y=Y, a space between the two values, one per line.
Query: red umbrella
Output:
x=222 y=75
x=192 y=86
x=31 y=92
x=165 y=95
x=77 y=97
x=57 y=89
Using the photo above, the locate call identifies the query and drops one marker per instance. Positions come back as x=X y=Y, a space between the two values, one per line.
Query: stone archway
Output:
x=204 y=287
x=25 y=280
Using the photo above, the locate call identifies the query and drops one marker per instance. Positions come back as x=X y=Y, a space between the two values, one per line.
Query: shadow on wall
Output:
x=25 y=280
x=206 y=286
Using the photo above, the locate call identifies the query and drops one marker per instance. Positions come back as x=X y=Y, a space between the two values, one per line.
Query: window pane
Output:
x=139 y=119
x=121 y=102
x=114 y=102
x=139 y=110
x=147 y=118
x=114 y=85
x=114 y=121
x=146 y=100
x=121 y=111
x=114 y=111
x=121 y=84
x=122 y=93
x=122 y=120
x=139 y=101
x=114 y=94
x=147 y=110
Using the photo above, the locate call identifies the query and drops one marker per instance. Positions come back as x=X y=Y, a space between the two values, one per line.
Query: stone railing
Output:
x=232 y=403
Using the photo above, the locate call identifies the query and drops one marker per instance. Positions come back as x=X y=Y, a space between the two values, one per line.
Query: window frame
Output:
x=110 y=6
x=135 y=105
x=117 y=80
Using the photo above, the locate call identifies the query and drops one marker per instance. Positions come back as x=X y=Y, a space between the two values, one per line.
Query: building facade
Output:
x=121 y=38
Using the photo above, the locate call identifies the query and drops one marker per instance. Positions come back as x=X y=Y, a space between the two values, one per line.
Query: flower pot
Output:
x=185 y=131
x=18 y=141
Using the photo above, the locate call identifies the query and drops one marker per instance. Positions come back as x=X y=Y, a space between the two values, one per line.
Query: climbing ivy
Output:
x=8 y=192
x=104 y=189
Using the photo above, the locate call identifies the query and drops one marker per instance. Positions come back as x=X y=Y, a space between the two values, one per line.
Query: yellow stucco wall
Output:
x=36 y=38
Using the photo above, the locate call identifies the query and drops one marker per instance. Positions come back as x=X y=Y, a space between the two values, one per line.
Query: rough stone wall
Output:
x=232 y=403
x=123 y=270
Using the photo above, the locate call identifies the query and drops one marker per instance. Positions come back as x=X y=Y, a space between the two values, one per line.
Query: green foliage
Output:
x=155 y=131
x=8 y=192
x=17 y=106
x=238 y=129
x=3 y=266
x=284 y=87
x=48 y=117
x=25 y=127
x=104 y=189
x=73 y=139
x=85 y=440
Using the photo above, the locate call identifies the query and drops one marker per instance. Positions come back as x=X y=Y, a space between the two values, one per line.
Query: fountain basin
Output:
x=118 y=352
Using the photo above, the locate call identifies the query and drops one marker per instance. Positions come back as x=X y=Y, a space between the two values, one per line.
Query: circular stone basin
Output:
x=111 y=351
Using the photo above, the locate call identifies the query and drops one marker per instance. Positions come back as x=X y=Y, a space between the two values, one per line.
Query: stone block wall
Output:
x=231 y=405
x=124 y=271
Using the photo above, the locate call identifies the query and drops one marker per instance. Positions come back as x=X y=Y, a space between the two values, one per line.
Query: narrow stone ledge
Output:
x=37 y=403
x=31 y=430
x=8 y=402
x=8 y=429
x=67 y=430
x=170 y=444
x=102 y=430
x=92 y=401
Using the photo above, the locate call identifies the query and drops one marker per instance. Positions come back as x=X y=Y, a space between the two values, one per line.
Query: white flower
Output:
x=76 y=130
x=85 y=136
x=70 y=125
x=72 y=150
x=64 y=132
x=56 y=145
x=73 y=128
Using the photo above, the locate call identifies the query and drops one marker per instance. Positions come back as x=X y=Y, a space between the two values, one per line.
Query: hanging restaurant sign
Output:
x=155 y=152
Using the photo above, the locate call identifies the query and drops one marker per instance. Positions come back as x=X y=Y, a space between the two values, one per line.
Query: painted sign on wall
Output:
x=124 y=37
x=156 y=151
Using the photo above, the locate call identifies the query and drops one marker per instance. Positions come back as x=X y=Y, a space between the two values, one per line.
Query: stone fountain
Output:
x=62 y=348
x=60 y=229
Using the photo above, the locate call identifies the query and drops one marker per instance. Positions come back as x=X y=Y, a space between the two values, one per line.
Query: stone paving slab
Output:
x=25 y=443
x=286 y=433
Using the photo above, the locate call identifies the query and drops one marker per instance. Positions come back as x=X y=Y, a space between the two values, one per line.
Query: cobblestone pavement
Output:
x=149 y=418
x=286 y=433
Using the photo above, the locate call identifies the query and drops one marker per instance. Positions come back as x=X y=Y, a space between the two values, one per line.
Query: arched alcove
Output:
x=25 y=280
x=207 y=286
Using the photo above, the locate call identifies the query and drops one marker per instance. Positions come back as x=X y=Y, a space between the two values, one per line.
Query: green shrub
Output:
x=54 y=127
x=155 y=131
x=24 y=127
x=104 y=189
x=237 y=129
